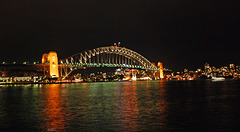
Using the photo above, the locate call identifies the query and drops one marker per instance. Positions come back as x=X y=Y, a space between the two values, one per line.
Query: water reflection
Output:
x=122 y=106
x=54 y=114
x=81 y=104
x=163 y=105
x=141 y=106
x=152 y=104
x=130 y=111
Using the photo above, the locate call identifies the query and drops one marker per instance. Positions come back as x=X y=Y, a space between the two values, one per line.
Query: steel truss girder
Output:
x=83 y=57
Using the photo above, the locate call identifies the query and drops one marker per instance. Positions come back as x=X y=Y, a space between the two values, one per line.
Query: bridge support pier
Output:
x=160 y=65
x=51 y=59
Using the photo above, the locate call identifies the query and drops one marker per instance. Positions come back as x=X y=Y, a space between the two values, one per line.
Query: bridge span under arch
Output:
x=110 y=56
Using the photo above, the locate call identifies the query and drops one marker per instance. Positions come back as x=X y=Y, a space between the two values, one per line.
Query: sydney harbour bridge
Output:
x=110 y=56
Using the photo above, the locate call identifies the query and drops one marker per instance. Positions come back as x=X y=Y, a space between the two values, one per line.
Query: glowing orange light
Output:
x=130 y=110
x=160 y=65
x=54 y=115
x=53 y=61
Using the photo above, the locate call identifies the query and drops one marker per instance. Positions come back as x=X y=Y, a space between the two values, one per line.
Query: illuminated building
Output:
x=232 y=66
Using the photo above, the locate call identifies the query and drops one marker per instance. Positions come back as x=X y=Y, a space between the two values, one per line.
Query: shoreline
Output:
x=27 y=83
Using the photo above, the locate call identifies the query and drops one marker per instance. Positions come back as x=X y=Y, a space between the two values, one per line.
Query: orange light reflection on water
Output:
x=54 y=113
x=163 y=107
x=130 y=110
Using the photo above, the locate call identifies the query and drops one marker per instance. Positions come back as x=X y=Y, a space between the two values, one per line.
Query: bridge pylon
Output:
x=51 y=59
x=160 y=65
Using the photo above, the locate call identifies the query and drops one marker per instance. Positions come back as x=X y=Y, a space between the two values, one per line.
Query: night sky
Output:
x=180 y=33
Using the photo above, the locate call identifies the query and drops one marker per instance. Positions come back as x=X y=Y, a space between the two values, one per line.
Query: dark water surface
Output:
x=122 y=106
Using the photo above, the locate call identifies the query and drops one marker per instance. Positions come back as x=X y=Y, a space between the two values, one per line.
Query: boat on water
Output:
x=77 y=80
x=144 y=78
x=218 y=78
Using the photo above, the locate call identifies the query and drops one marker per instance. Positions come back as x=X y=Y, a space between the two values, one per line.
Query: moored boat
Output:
x=218 y=78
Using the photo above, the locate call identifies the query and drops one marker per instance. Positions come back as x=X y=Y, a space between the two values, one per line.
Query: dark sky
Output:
x=180 y=33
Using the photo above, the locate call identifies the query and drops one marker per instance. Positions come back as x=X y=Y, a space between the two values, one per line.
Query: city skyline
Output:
x=181 y=34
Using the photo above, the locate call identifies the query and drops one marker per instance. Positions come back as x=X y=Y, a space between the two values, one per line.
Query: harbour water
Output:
x=122 y=106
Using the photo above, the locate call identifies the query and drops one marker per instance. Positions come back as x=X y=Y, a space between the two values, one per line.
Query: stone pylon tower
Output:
x=52 y=59
x=160 y=65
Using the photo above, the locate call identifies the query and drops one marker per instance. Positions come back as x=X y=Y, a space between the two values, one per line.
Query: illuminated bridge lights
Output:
x=108 y=65
x=111 y=56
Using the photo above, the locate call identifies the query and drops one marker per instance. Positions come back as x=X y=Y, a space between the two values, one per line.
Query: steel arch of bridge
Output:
x=110 y=56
